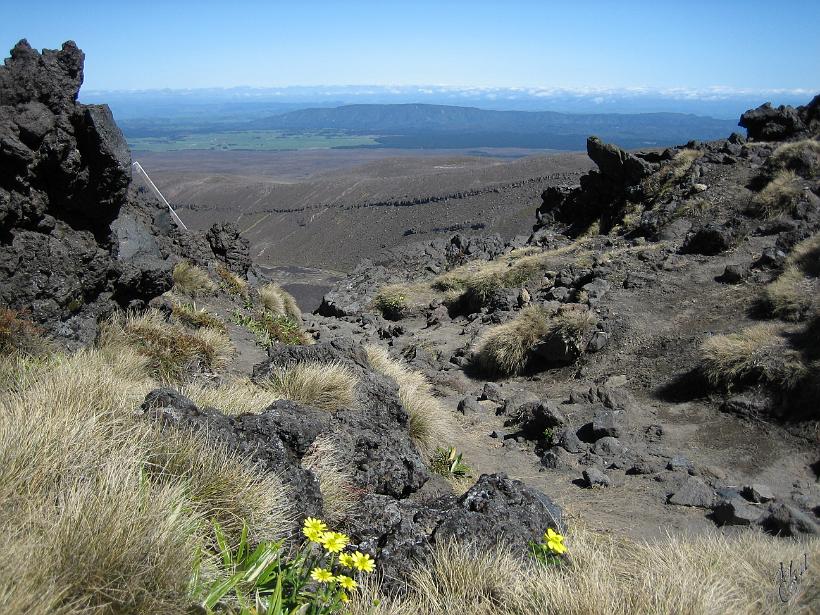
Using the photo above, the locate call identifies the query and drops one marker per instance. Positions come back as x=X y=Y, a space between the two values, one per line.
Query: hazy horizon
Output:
x=699 y=49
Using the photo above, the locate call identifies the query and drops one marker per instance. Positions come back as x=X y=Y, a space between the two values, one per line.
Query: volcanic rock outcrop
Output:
x=77 y=238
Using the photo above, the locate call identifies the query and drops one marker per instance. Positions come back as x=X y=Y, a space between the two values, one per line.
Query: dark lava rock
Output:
x=557 y=457
x=373 y=435
x=569 y=441
x=593 y=477
x=615 y=163
x=680 y=464
x=768 y=123
x=709 y=240
x=735 y=273
x=468 y=405
x=535 y=419
x=758 y=493
x=608 y=447
x=606 y=423
x=694 y=492
x=494 y=510
x=492 y=392
x=255 y=436
x=785 y=520
x=230 y=247
x=736 y=511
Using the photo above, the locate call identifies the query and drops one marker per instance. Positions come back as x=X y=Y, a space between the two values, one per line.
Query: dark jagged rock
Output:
x=602 y=194
x=77 y=239
x=230 y=247
x=768 y=123
x=373 y=435
x=257 y=437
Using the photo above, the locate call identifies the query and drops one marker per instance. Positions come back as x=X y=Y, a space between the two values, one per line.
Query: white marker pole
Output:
x=174 y=215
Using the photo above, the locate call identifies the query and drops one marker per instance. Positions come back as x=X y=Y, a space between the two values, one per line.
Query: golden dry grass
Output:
x=327 y=386
x=99 y=511
x=796 y=291
x=801 y=156
x=233 y=397
x=707 y=574
x=232 y=282
x=658 y=184
x=430 y=423
x=192 y=280
x=277 y=300
x=758 y=354
x=174 y=352
x=339 y=496
x=779 y=196
x=189 y=314
x=503 y=349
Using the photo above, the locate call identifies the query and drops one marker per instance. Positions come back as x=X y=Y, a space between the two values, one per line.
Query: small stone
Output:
x=556 y=458
x=736 y=511
x=492 y=392
x=699 y=188
x=597 y=342
x=694 y=492
x=643 y=468
x=680 y=464
x=593 y=477
x=608 y=447
x=758 y=492
x=469 y=405
x=605 y=424
x=735 y=273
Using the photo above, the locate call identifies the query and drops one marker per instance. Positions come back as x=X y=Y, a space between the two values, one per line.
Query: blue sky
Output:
x=750 y=44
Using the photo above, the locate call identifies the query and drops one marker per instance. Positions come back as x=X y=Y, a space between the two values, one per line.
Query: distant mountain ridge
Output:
x=424 y=125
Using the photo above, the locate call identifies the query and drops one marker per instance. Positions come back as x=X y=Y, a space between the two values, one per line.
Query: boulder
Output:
x=593 y=477
x=709 y=240
x=693 y=492
x=736 y=511
x=606 y=423
x=768 y=123
x=230 y=247
x=533 y=419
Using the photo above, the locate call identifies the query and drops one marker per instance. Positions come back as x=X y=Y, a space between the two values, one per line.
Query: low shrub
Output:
x=269 y=328
x=801 y=157
x=192 y=280
x=391 y=301
x=795 y=293
x=18 y=334
x=658 y=185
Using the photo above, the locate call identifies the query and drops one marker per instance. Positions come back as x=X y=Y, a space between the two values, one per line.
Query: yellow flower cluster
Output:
x=334 y=542
x=555 y=542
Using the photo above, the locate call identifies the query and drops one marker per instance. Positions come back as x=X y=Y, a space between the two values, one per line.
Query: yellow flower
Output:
x=322 y=575
x=334 y=541
x=344 y=597
x=346 y=582
x=555 y=542
x=346 y=560
x=313 y=529
x=362 y=561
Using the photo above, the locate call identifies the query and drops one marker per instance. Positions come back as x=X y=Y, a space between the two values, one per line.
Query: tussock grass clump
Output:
x=779 y=196
x=707 y=574
x=173 y=352
x=219 y=485
x=339 y=496
x=100 y=511
x=757 y=354
x=795 y=294
x=391 y=301
x=430 y=423
x=802 y=157
x=232 y=282
x=504 y=349
x=277 y=300
x=234 y=397
x=327 y=386
x=189 y=314
x=192 y=280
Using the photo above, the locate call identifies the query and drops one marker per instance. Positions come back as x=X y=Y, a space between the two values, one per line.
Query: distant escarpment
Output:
x=77 y=239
